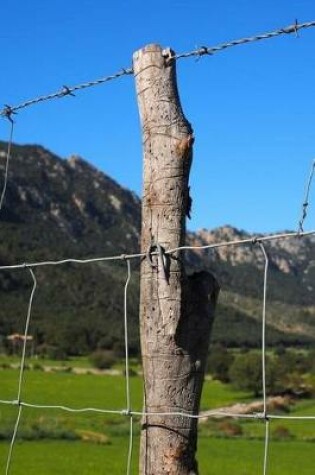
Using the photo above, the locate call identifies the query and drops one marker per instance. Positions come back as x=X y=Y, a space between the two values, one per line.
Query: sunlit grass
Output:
x=38 y=452
x=216 y=456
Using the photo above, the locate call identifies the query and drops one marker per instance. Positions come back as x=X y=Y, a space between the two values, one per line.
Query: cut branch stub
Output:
x=176 y=312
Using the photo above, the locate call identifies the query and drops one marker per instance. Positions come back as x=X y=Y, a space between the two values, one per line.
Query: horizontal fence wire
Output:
x=65 y=91
x=8 y=111
x=205 y=414
x=123 y=257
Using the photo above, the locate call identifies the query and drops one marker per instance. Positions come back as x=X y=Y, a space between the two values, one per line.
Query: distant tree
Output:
x=246 y=373
x=219 y=362
x=291 y=369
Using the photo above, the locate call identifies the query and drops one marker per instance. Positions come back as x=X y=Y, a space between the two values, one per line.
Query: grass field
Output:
x=108 y=392
x=216 y=456
x=57 y=442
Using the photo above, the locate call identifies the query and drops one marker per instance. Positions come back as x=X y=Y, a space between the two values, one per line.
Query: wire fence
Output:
x=30 y=267
x=127 y=410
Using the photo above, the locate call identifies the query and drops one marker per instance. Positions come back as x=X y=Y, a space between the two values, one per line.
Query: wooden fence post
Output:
x=176 y=311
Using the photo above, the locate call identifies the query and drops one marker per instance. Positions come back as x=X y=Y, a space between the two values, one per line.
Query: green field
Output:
x=86 y=390
x=216 y=456
x=59 y=442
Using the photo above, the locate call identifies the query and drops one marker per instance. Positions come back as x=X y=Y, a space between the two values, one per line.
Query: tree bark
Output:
x=176 y=311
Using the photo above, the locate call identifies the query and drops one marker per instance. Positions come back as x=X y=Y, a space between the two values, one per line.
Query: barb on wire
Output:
x=65 y=91
x=22 y=369
x=7 y=112
x=306 y=199
x=205 y=50
x=7 y=162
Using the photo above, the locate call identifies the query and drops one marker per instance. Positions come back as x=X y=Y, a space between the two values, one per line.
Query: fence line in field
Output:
x=127 y=410
x=9 y=112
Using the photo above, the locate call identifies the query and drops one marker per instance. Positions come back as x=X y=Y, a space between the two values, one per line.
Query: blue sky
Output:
x=252 y=107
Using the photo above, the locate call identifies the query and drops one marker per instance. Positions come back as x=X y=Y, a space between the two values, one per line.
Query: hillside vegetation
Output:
x=56 y=209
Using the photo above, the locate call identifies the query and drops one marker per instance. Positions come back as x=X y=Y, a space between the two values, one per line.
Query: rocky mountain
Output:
x=61 y=206
x=291 y=263
x=56 y=209
x=240 y=269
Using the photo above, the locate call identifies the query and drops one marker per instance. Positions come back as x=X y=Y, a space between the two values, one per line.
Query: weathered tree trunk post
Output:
x=176 y=311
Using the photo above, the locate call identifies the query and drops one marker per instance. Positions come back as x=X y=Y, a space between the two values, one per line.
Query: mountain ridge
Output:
x=59 y=208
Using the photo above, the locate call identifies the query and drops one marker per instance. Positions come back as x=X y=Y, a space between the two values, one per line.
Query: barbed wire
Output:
x=9 y=110
x=205 y=50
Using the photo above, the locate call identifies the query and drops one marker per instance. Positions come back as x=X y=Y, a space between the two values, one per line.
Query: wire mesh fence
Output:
x=21 y=404
x=127 y=411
